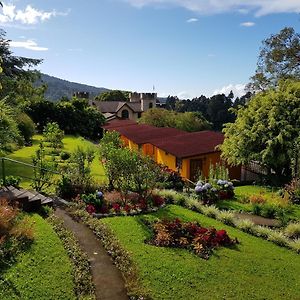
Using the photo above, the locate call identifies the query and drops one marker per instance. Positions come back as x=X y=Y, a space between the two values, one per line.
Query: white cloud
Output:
x=184 y=95
x=28 y=16
x=247 y=24
x=237 y=89
x=192 y=20
x=258 y=7
x=28 y=44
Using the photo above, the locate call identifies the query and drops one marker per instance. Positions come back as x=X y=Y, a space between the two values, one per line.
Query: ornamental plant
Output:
x=206 y=192
x=189 y=235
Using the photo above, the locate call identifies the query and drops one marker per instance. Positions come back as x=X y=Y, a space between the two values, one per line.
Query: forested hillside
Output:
x=58 y=88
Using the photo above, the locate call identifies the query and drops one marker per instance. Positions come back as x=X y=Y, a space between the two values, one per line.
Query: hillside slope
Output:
x=58 y=88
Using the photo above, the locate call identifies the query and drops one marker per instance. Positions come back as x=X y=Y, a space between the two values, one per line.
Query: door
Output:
x=195 y=169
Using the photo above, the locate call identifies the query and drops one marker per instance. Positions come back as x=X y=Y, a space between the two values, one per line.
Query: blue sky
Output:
x=182 y=47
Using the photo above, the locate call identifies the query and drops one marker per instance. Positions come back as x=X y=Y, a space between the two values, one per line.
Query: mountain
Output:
x=57 y=88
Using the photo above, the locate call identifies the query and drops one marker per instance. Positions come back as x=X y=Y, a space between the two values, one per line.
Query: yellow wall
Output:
x=163 y=158
x=169 y=160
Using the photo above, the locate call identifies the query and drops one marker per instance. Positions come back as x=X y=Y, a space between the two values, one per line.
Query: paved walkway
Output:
x=108 y=281
x=257 y=220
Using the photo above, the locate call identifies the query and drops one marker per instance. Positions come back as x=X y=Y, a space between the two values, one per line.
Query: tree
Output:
x=9 y=131
x=279 y=58
x=54 y=135
x=26 y=127
x=188 y=121
x=266 y=130
x=115 y=95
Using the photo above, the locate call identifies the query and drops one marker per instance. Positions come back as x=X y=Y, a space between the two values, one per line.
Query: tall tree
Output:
x=279 y=58
x=266 y=130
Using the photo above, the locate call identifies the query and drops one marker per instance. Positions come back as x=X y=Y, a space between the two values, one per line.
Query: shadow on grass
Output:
x=8 y=262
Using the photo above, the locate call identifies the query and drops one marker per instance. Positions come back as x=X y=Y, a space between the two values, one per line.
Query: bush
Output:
x=226 y=217
x=293 y=231
x=210 y=211
x=16 y=233
x=295 y=245
x=11 y=181
x=293 y=191
x=257 y=199
x=245 y=225
x=26 y=127
x=188 y=235
x=278 y=238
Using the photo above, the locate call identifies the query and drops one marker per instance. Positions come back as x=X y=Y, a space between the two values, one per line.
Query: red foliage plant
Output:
x=189 y=235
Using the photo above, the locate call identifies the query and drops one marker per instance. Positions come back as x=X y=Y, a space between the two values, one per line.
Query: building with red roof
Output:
x=188 y=153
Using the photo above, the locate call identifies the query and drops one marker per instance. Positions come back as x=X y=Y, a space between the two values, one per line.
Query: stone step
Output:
x=28 y=200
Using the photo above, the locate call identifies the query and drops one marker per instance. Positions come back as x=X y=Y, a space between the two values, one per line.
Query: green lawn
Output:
x=42 y=272
x=248 y=190
x=70 y=144
x=257 y=269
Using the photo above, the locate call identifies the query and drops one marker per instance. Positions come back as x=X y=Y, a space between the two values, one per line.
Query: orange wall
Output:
x=169 y=160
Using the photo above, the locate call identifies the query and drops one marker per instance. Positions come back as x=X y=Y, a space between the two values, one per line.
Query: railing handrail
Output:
x=29 y=165
x=190 y=181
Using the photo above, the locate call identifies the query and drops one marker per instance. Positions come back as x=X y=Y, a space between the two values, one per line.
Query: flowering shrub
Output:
x=95 y=203
x=293 y=191
x=210 y=192
x=170 y=179
x=225 y=189
x=190 y=236
x=206 y=192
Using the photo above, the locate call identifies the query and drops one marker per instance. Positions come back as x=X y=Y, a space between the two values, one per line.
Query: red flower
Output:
x=91 y=209
x=116 y=207
x=127 y=208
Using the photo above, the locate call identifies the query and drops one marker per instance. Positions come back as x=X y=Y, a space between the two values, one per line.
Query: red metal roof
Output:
x=190 y=144
x=142 y=134
x=116 y=123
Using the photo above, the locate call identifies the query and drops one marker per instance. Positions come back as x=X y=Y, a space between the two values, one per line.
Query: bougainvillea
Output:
x=188 y=235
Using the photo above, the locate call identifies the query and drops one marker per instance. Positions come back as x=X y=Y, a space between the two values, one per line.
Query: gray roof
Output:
x=115 y=106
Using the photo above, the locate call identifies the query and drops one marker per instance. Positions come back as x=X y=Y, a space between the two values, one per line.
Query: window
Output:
x=150 y=105
x=125 y=114
x=178 y=163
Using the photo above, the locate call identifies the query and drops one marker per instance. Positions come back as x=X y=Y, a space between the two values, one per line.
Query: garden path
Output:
x=108 y=281
x=257 y=220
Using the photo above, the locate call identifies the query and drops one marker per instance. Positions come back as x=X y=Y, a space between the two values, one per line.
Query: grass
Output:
x=70 y=144
x=43 y=271
x=248 y=190
x=256 y=269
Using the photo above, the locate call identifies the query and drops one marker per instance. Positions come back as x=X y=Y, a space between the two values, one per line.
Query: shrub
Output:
x=210 y=211
x=295 y=245
x=293 y=191
x=53 y=134
x=293 y=231
x=188 y=235
x=257 y=199
x=245 y=225
x=278 y=238
x=206 y=193
x=226 y=217
x=170 y=179
x=15 y=233
x=262 y=231
x=26 y=127
x=11 y=180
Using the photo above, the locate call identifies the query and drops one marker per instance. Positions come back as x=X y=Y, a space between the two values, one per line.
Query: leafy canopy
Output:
x=266 y=129
x=279 y=58
x=188 y=121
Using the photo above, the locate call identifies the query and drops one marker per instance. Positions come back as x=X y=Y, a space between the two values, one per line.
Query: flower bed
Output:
x=189 y=236
x=101 y=206
x=210 y=193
